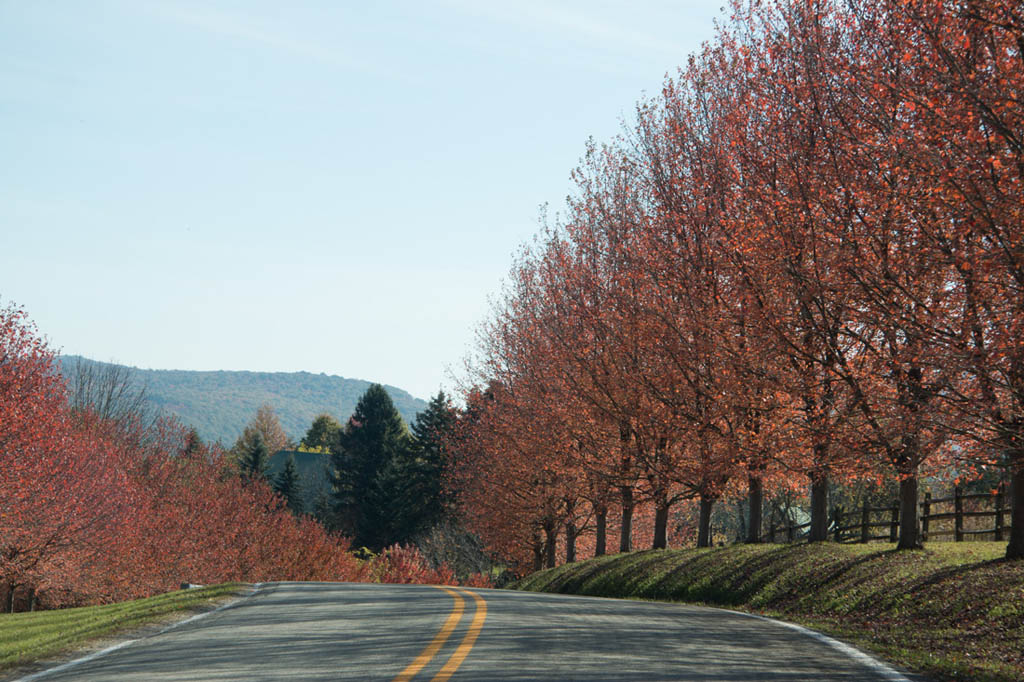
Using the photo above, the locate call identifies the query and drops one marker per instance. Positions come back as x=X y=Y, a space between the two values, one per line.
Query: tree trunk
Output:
x=704 y=521
x=550 y=537
x=626 y=532
x=819 y=509
x=1015 y=549
x=602 y=530
x=625 y=490
x=32 y=599
x=570 y=541
x=661 y=507
x=755 y=500
x=538 y=552
x=10 y=598
x=910 y=526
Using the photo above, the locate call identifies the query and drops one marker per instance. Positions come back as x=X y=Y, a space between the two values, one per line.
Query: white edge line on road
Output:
x=96 y=654
x=874 y=664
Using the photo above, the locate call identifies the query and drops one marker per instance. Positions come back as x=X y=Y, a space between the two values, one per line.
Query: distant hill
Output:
x=219 y=404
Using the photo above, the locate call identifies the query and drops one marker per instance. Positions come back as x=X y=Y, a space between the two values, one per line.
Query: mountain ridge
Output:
x=218 y=403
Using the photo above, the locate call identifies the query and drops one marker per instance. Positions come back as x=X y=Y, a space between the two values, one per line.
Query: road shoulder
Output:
x=98 y=646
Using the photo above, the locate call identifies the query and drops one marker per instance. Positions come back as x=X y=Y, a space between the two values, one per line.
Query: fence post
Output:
x=926 y=509
x=865 y=519
x=958 y=509
x=837 y=515
x=790 y=531
x=894 y=524
x=999 y=512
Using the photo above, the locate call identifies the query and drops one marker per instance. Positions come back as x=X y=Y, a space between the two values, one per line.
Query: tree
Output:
x=194 y=445
x=266 y=424
x=110 y=395
x=368 y=460
x=108 y=390
x=61 y=483
x=253 y=463
x=507 y=492
x=322 y=432
x=968 y=133
x=432 y=428
x=287 y=486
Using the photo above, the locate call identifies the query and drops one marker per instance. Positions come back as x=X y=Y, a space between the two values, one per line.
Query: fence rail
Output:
x=936 y=518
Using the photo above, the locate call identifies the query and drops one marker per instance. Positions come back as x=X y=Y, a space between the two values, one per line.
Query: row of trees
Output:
x=803 y=264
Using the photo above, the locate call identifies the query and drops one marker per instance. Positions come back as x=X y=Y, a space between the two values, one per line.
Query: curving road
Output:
x=347 y=631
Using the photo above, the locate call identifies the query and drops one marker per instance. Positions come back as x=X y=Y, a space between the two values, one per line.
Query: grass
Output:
x=954 y=611
x=28 y=637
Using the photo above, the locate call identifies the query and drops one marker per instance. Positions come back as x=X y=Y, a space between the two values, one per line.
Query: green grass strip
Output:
x=954 y=611
x=27 y=637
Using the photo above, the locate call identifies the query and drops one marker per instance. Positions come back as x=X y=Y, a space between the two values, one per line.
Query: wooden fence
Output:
x=959 y=515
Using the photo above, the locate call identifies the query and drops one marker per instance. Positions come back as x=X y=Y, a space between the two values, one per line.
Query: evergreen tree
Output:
x=394 y=498
x=287 y=485
x=368 y=461
x=253 y=463
x=429 y=460
x=323 y=509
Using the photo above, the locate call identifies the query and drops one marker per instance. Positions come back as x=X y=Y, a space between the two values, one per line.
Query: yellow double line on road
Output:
x=445 y=632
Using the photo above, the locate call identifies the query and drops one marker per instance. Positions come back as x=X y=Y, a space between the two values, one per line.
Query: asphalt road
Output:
x=346 y=631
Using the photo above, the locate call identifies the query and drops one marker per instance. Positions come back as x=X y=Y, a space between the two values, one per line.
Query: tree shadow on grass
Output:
x=707 y=578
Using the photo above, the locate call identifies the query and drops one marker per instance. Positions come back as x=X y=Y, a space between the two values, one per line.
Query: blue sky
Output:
x=324 y=186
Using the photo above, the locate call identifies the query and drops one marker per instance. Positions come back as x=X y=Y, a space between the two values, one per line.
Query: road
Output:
x=347 y=631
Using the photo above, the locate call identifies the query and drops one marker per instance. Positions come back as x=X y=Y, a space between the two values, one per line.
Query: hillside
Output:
x=218 y=404
x=954 y=611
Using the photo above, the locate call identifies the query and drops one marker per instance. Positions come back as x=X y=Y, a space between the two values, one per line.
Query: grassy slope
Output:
x=954 y=611
x=27 y=637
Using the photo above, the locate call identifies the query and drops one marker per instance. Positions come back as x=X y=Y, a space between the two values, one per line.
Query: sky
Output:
x=332 y=187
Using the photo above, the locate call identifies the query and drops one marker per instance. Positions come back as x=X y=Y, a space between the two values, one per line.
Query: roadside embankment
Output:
x=954 y=611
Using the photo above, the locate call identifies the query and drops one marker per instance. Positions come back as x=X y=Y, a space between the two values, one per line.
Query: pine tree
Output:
x=429 y=431
x=323 y=509
x=287 y=486
x=253 y=463
x=366 y=471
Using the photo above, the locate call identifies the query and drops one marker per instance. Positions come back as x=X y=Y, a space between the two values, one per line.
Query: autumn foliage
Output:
x=97 y=510
x=802 y=264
